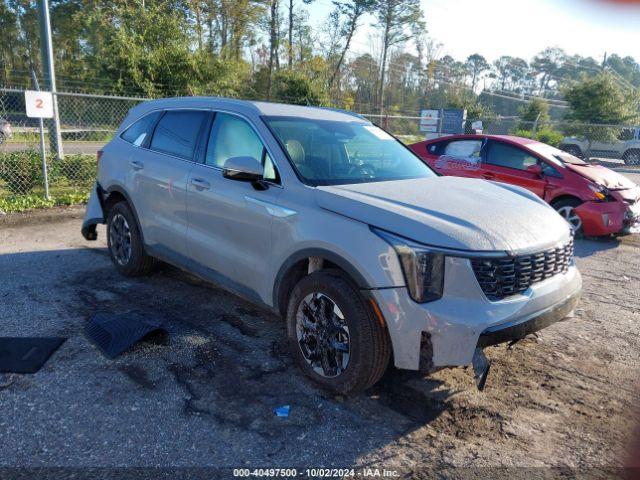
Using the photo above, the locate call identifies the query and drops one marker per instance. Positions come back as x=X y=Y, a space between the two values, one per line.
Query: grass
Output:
x=21 y=184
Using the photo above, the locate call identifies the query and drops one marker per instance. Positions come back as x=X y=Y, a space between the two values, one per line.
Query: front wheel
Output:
x=567 y=210
x=333 y=335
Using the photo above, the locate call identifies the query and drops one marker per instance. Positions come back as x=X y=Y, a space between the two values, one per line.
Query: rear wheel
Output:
x=333 y=335
x=125 y=242
x=631 y=157
x=567 y=210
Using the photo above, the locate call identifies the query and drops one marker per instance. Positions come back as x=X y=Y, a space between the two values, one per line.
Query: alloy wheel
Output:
x=323 y=335
x=569 y=214
x=120 y=239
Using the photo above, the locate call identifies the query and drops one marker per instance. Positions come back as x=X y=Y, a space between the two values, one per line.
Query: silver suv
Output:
x=627 y=147
x=335 y=225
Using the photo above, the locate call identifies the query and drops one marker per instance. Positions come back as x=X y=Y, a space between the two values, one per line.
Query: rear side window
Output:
x=177 y=133
x=139 y=132
x=464 y=148
x=503 y=155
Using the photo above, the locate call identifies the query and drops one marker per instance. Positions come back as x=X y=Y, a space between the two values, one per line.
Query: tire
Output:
x=369 y=348
x=566 y=209
x=573 y=150
x=3 y=138
x=631 y=157
x=121 y=224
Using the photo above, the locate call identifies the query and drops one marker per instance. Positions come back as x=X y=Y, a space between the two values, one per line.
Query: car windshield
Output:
x=326 y=152
x=555 y=155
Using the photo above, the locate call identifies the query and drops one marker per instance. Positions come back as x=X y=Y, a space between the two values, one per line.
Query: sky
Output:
x=520 y=27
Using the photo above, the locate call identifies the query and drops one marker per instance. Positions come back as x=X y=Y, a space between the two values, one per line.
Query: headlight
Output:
x=423 y=268
x=601 y=193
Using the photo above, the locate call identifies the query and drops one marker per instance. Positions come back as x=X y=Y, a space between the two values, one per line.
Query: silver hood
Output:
x=451 y=212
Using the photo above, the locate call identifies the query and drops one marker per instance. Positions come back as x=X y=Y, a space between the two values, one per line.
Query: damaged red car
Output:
x=594 y=200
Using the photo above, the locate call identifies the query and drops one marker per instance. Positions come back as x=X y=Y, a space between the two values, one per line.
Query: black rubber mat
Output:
x=26 y=354
x=115 y=333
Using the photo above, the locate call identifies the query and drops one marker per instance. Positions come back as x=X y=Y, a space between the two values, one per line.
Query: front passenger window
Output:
x=232 y=136
x=503 y=155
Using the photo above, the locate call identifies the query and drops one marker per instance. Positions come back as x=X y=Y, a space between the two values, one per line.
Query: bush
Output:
x=21 y=171
x=77 y=169
x=544 y=135
x=550 y=137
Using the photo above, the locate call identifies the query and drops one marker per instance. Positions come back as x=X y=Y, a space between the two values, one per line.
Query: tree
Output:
x=502 y=70
x=476 y=65
x=352 y=11
x=273 y=42
x=596 y=105
x=547 y=64
x=394 y=17
x=535 y=115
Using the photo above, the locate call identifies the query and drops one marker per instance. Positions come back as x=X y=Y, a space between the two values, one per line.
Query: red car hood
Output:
x=602 y=176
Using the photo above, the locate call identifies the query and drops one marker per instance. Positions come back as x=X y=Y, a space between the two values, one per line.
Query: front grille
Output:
x=505 y=276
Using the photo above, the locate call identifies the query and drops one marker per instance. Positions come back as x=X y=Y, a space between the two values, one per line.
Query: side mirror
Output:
x=243 y=169
x=535 y=169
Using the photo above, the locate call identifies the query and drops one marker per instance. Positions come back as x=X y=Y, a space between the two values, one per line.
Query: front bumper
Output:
x=519 y=329
x=606 y=218
x=450 y=329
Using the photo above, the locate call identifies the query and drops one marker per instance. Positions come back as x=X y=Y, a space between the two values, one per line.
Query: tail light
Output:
x=98 y=157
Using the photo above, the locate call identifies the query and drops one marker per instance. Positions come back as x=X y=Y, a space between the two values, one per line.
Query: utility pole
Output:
x=55 y=137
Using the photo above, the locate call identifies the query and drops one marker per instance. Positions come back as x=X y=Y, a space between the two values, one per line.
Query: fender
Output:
x=123 y=192
x=316 y=252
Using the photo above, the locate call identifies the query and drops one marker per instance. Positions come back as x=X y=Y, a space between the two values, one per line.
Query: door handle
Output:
x=200 y=184
x=136 y=165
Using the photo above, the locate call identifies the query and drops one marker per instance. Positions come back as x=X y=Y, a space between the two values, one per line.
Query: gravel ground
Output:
x=204 y=398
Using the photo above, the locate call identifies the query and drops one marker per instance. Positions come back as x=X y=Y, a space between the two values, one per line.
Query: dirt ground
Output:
x=204 y=398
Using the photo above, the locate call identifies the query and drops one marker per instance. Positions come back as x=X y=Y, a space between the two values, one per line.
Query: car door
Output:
x=460 y=158
x=161 y=173
x=507 y=163
x=229 y=234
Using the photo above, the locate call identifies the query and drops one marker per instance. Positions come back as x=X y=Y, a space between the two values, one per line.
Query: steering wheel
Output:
x=364 y=169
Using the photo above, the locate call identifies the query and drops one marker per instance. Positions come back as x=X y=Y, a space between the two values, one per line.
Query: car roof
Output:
x=507 y=138
x=251 y=107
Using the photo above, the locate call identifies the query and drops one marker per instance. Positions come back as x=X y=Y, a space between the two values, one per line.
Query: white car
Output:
x=627 y=147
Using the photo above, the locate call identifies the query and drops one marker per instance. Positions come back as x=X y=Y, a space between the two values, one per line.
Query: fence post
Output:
x=55 y=135
x=43 y=151
x=385 y=122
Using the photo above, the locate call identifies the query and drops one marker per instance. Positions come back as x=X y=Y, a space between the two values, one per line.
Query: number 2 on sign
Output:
x=39 y=103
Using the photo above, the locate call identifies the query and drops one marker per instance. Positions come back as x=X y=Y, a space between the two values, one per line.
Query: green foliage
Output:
x=21 y=203
x=21 y=171
x=549 y=136
x=78 y=170
x=537 y=110
x=295 y=87
x=596 y=102
x=544 y=135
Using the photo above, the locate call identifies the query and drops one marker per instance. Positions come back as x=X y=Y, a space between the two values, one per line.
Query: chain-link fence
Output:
x=88 y=121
